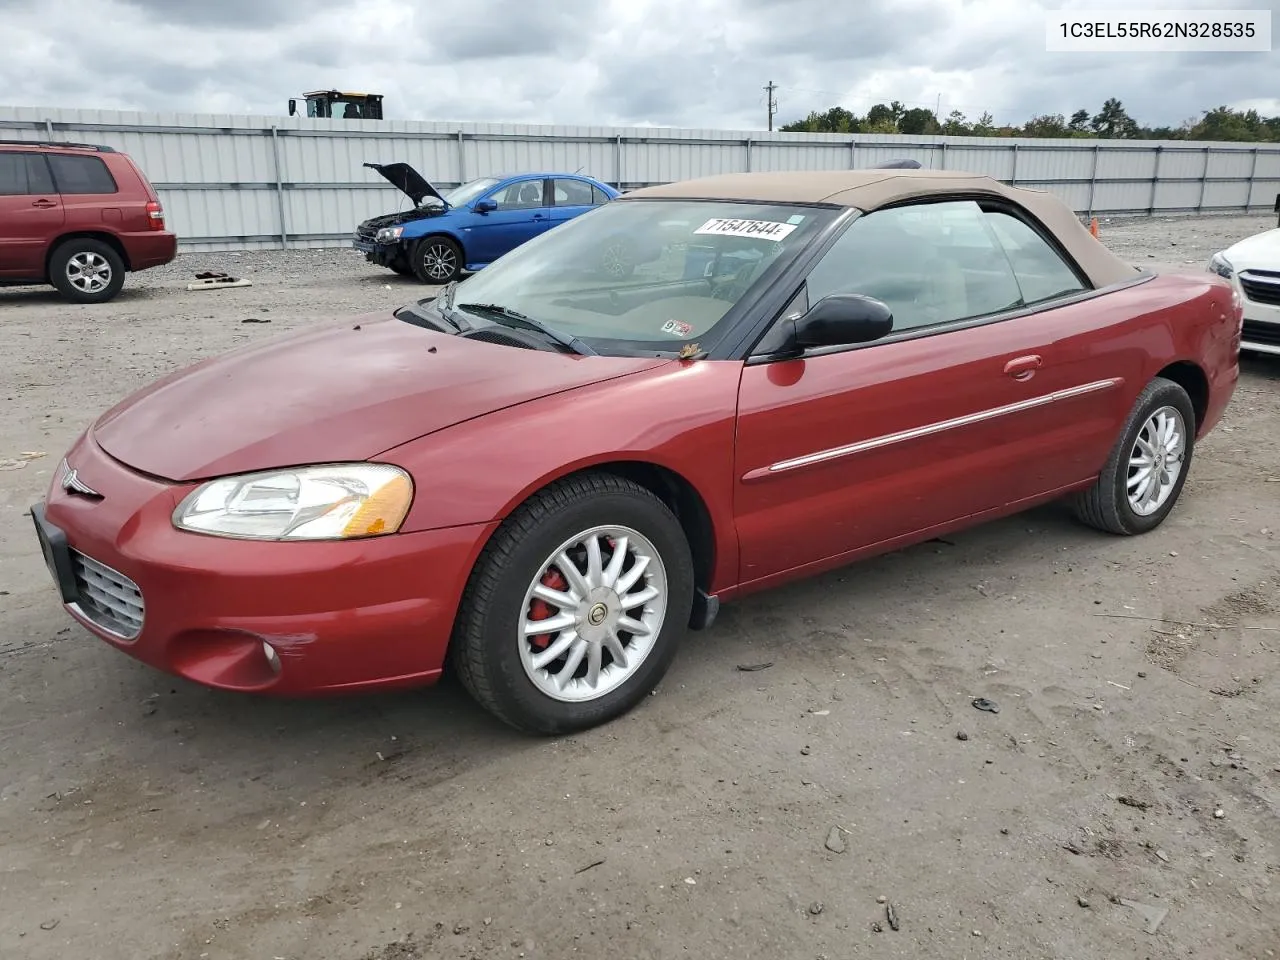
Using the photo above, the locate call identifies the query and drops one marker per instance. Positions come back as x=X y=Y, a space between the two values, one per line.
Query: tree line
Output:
x=1112 y=121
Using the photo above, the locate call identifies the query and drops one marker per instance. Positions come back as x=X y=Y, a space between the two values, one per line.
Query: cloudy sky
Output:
x=697 y=63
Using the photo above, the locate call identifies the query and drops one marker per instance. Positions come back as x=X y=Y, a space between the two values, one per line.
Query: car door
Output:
x=31 y=214
x=521 y=214
x=850 y=449
x=569 y=198
x=1090 y=361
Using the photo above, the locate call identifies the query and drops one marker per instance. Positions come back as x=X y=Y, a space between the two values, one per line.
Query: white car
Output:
x=1253 y=267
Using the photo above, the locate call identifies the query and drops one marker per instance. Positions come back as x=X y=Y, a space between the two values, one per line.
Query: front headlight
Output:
x=341 y=501
x=1221 y=266
x=388 y=234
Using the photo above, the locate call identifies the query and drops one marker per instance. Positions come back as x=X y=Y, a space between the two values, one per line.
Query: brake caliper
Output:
x=539 y=609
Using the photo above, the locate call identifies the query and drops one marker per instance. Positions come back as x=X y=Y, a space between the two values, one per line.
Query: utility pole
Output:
x=773 y=104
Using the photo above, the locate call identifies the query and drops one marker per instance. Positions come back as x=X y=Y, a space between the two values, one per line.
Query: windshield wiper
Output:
x=443 y=302
x=501 y=313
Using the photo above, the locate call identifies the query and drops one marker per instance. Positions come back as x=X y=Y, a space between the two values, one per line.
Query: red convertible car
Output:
x=545 y=477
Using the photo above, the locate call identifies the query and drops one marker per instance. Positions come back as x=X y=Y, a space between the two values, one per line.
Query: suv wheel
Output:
x=86 y=271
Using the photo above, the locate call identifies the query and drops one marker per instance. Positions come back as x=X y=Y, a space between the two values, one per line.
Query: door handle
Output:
x=43 y=204
x=1023 y=368
x=538 y=216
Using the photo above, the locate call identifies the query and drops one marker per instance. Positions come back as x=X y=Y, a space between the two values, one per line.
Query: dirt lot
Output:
x=1136 y=756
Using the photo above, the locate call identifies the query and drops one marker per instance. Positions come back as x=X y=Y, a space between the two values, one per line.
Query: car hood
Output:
x=344 y=392
x=1261 y=251
x=408 y=181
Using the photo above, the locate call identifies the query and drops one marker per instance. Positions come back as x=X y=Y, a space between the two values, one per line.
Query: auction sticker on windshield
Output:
x=729 y=227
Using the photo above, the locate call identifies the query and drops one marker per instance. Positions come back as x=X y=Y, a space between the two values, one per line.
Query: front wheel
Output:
x=576 y=607
x=436 y=260
x=1145 y=473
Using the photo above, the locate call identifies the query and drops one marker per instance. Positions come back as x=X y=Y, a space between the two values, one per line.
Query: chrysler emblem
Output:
x=72 y=483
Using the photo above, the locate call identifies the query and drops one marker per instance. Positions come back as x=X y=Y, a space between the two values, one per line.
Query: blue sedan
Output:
x=472 y=225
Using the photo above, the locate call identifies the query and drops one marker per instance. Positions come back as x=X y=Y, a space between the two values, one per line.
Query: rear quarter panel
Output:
x=680 y=416
x=1133 y=333
x=1189 y=319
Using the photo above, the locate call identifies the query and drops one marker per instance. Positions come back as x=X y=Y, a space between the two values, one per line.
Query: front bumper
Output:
x=383 y=254
x=336 y=616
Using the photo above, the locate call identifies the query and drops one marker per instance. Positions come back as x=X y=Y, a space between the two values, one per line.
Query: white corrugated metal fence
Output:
x=245 y=182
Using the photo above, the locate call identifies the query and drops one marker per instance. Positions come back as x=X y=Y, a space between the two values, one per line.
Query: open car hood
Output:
x=408 y=181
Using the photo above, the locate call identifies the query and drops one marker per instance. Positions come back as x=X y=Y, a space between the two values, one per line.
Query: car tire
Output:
x=493 y=653
x=1159 y=430
x=436 y=260
x=402 y=268
x=86 y=271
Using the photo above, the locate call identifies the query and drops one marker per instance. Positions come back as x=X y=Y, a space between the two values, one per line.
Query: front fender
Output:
x=680 y=416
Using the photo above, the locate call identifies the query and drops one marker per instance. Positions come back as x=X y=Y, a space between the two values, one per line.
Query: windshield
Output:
x=461 y=196
x=649 y=273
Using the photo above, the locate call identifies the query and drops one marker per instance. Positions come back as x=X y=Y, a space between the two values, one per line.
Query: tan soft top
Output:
x=869 y=190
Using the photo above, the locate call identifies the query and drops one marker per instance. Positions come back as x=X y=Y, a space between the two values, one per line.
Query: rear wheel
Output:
x=577 y=606
x=436 y=260
x=86 y=271
x=1145 y=473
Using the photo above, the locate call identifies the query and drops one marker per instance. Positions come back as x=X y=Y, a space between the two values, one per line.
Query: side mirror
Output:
x=293 y=107
x=484 y=206
x=842 y=320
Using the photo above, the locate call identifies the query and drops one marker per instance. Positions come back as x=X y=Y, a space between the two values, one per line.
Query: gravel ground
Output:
x=1135 y=760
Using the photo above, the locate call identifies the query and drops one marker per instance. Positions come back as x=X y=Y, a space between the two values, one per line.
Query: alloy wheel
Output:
x=1156 y=460
x=592 y=614
x=89 y=272
x=439 y=262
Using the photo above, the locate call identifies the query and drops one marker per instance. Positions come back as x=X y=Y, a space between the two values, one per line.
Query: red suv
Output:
x=77 y=216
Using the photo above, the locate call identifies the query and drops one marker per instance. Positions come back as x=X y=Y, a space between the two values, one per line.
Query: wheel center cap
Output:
x=597 y=614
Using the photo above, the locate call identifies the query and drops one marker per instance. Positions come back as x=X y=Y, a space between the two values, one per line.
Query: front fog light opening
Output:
x=273 y=658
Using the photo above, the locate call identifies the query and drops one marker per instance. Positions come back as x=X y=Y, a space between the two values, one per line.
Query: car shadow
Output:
x=1263 y=365
x=391 y=278
x=39 y=295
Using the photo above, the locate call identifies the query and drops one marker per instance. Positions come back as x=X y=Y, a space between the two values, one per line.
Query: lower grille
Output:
x=1267 y=334
x=107 y=597
x=1261 y=287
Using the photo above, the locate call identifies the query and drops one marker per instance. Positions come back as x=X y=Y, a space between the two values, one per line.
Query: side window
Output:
x=931 y=263
x=599 y=196
x=13 y=174
x=39 y=179
x=572 y=193
x=81 y=174
x=523 y=195
x=1041 y=272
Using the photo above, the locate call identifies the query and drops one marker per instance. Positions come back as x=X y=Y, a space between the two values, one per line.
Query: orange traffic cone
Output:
x=1093 y=226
